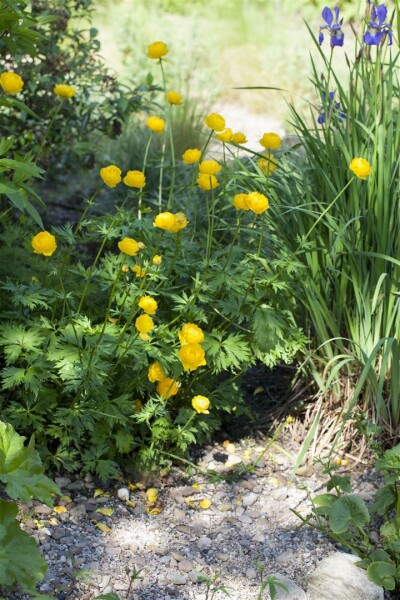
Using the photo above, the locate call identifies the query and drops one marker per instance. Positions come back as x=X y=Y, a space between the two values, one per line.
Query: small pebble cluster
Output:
x=172 y=540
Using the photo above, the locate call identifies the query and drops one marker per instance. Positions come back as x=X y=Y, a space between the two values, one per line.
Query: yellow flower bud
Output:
x=157 y=260
x=190 y=334
x=174 y=97
x=157 y=50
x=207 y=182
x=11 y=82
x=44 y=243
x=155 y=372
x=156 y=124
x=129 y=246
x=239 y=202
x=191 y=156
x=192 y=356
x=209 y=167
x=258 y=203
x=239 y=138
x=111 y=175
x=136 y=179
x=225 y=135
x=271 y=141
x=201 y=404
x=64 y=91
x=168 y=387
x=144 y=324
x=360 y=167
x=148 y=304
x=215 y=121
x=139 y=271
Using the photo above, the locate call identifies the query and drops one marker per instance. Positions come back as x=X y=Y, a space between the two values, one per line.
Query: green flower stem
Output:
x=177 y=248
x=160 y=184
x=48 y=129
x=66 y=306
x=140 y=196
x=171 y=140
x=190 y=419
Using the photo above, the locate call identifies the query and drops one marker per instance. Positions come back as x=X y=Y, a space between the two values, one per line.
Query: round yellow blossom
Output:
x=164 y=220
x=239 y=138
x=215 y=121
x=360 y=167
x=168 y=387
x=64 y=91
x=174 y=97
x=44 y=243
x=111 y=175
x=201 y=404
x=155 y=372
x=157 y=50
x=156 y=124
x=139 y=271
x=258 y=203
x=179 y=223
x=207 y=182
x=190 y=334
x=144 y=324
x=225 y=135
x=148 y=304
x=136 y=179
x=192 y=356
x=272 y=141
x=289 y=420
x=204 y=504
x=267 y=165
x=129 y=246
x=11 y=82
x=209 y=167
x=152 y=495
x=191 y=156
x=239 y=202
x=157 y=260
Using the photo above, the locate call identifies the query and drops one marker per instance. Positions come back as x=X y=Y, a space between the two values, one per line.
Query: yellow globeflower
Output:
x=267 y=165
x=191 y=156
x=157 y=50
x=179 y=223
x=164 y=220
x=144 y=324
x=148 y=304
x=156 y=124
x=215 y=121
x=190 y=334
x=209 y=167
x=135 y=179
x=157 y=260
x=207 y=182
x=258 y=203
x=44 y=243
x=139 y=271
x=192 y=356
x=64 y=91
x=239 y=138
x=240 y=202
x=201 y=404
x=111 y=175
x=360 y=167
x=225 y=135
x=168 y=387
x=11 y=82
x=129 y=246
x=271 y=141
x=174 y=97
x=155 y=372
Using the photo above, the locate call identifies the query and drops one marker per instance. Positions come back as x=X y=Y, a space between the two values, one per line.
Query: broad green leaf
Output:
x=20 y=559
x=322 y=504
x=346 y=511
x=391 y=530
x=382 y=573
x=340 y=481
x=385 y=500
x=390 y=460
x=21 y=468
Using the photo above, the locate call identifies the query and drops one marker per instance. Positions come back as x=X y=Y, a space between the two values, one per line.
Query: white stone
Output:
x=338 y=578
x=204 y=543
x=123 y=494
x=177 y=578
x=294 y=591
x=249 y=499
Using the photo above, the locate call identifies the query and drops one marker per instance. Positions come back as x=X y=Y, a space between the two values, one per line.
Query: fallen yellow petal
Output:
x=153 y=511
x=275 y=480
x=98 y=492
x=131 y=504
x=59 y=509
x=105 y=511
x=38 y=524
x=204 y=504
x=103 y=527
x=132 y=487
x=66 y=499
x=54 y=521
x=152 y=494
x=197 y=486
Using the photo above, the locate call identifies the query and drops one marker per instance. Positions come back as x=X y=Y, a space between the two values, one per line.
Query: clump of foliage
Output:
x=21 y=478
x=348 y=520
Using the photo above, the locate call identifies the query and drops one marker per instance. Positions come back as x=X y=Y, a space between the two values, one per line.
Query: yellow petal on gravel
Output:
x=230 y=448
x=131 y=504
x=98 y=492
x=132 y=487
x=153 y=511
x=103 y=527
x=38 y=524
x=59 y=509
x=152 y=495
x=197 y=486
x=274 y=480
x=204 y=504
x=66 y=499
x=54 y=521
x=105 y=511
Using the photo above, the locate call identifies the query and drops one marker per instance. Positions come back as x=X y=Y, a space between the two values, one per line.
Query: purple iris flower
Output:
x=331 y=109
x=333 y=25
x=377 y=27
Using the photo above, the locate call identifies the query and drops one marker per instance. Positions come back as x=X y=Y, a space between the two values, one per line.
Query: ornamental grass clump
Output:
x=125 y=335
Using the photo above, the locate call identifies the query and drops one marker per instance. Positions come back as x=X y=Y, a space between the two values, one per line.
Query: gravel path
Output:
x=248 y=520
